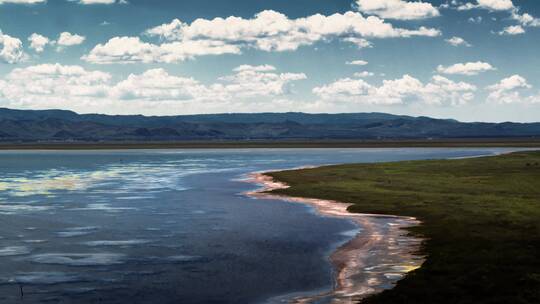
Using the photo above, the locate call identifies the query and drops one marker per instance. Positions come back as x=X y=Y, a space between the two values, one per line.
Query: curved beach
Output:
x=379 y=254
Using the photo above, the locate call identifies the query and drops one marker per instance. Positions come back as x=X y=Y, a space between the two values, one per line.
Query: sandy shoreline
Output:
x=378 y=256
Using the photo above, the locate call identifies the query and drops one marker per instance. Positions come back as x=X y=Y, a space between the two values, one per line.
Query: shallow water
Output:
x=166 y=226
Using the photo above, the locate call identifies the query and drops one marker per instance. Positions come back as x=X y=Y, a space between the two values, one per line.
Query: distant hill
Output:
x=60 y=125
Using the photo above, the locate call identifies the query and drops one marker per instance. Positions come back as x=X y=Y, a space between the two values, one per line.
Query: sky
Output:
x=471 y=60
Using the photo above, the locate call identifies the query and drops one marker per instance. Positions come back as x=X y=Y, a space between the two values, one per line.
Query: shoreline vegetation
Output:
x=480 y=219
x=380 y=244
x=239 y=144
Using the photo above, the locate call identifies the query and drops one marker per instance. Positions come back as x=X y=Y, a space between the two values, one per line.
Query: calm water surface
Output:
x=165 y=226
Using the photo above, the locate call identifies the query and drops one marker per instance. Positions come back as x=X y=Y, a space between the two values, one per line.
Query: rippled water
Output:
x=165 y=226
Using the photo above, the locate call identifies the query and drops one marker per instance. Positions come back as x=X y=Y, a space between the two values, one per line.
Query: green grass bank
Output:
x=481 y=221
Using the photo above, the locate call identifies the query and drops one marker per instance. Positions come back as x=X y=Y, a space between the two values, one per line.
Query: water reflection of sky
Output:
x=126 y=178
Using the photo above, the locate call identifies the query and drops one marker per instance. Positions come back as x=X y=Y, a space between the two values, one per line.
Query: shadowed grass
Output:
x=481 y=218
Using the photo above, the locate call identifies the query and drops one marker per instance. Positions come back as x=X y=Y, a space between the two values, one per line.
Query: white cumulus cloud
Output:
x=253 y=81
x=469 y=68
x=512 y=30
x=11 y=49
x=22 y=1
x=509 y=90
x=69 y=39
x=525 y=19
x=439 y=91
x=54 y=85
x=133 y=49
x=258 y=68
x=357 y=62
x=363 y=74
x=492 y=5
x=268 y=31
x=457 y=41
x=398 y=9
x=76 y=88
x=157 y=84
x=38 y=42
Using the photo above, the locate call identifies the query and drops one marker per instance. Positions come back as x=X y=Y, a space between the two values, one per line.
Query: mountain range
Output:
x=62 y=125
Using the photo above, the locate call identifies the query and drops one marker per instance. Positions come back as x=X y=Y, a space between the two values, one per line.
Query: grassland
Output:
x=481 y=219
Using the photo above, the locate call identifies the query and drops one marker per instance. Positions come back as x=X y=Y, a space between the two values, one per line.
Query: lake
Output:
x=167 y=226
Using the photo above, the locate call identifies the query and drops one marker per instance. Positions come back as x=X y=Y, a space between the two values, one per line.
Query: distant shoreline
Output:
x=436 y=143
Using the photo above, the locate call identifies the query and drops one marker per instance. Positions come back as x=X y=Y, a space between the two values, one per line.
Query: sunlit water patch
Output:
x=21 y=208
x=42 y=278
x=77 y=231
x=14 y=250
x=78 y=259
x=116 y=243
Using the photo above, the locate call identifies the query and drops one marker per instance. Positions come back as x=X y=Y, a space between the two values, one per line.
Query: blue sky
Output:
x=473 y=60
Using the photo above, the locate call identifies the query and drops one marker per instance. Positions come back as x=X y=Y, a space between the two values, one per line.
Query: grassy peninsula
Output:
x=481 y=221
